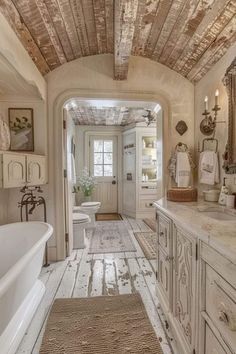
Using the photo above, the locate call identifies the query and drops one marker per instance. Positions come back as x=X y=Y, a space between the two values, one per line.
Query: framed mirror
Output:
x=230 y=152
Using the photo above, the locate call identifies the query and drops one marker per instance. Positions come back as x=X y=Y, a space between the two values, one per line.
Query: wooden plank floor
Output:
x=83 y=275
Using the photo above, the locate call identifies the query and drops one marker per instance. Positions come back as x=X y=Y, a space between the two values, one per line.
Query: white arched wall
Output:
x=92 y=77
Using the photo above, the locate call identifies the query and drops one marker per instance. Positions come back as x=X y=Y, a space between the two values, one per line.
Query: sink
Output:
x=218 y=215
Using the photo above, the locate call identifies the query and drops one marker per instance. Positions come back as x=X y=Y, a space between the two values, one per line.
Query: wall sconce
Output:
x=208 y=124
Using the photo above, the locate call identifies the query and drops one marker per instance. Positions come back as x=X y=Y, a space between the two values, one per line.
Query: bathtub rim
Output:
x=12 y=273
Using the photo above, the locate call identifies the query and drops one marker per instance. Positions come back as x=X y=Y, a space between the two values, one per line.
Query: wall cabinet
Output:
x=140 y=171
x=18 y=170
x=196 y=287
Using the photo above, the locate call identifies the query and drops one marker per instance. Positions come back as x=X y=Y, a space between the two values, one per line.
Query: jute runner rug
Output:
x=148 y=242
x=100 y=325
x=152 y=223
x=111 y=237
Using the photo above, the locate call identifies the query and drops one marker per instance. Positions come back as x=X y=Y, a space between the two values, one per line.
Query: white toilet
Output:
x=89 y=208
x=79 y=223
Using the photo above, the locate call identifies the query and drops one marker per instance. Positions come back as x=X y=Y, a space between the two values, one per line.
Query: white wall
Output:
x=206 y=87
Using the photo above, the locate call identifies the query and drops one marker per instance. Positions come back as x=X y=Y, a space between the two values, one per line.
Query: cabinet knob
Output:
x=161 y=233
x=223 y=317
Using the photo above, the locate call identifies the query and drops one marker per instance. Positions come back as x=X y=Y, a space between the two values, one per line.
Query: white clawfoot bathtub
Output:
x=22 y=248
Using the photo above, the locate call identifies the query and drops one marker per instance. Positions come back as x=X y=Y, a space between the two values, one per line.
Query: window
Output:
x=103 y=158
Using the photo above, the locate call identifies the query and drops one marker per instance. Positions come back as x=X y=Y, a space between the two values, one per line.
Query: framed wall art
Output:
x=21 y=123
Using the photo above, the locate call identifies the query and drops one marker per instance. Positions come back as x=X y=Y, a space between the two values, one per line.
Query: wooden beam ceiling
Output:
x=188 y=36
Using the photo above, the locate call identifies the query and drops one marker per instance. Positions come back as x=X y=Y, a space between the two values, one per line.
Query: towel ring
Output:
x=209 y=139
x=181 y=144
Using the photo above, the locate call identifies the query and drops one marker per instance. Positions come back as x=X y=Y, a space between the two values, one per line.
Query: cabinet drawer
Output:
x=221 y=305
x=164 y=230
x=212 y=345
x=146 y=203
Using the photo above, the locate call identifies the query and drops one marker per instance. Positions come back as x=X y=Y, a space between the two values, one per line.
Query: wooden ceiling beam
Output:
x=13 y=17
x=124 y=19
x=90 y=17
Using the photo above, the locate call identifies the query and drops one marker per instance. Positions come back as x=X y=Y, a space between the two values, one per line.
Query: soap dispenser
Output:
x=223 y=193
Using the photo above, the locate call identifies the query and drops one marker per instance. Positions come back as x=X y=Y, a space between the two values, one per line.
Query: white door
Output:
x=103 y=166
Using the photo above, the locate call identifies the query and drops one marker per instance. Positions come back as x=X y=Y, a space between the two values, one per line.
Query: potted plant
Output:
x=86 y=184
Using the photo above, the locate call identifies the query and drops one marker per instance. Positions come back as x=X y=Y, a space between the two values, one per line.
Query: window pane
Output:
x=108 y=158
x=98 y=171
x=98 y=158
x=108 y=170
x=98 y=145
x=108 y=146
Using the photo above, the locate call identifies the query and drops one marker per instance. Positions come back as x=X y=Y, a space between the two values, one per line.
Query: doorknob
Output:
x=113 y=182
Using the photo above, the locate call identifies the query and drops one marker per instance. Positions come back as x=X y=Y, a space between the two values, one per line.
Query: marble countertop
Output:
x=220 y=234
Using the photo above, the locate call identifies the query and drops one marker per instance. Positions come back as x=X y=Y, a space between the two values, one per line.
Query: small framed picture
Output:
x=21 y=123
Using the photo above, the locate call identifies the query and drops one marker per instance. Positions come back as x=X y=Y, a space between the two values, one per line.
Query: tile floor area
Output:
x=83 y=275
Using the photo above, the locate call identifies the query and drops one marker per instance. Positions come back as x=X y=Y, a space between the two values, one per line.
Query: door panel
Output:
x=103 y=165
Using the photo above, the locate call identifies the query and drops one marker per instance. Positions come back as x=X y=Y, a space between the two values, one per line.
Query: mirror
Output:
x=230 y=152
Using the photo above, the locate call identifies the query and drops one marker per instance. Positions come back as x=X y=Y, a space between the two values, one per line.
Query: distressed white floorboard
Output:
x=83 y=275
x=97 y=277
x=110 y=278
x=81 y=288
x=123 y=277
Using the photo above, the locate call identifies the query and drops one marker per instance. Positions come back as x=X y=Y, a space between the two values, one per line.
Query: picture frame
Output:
x=21 y=124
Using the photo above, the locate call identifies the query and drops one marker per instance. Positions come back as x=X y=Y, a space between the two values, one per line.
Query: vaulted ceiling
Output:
x=189 y=36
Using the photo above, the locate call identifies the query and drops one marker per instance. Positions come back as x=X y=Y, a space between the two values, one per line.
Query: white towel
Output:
x=209 y=168
x=183 y=170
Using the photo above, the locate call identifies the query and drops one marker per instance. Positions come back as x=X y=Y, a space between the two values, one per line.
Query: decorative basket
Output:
x=182 y=194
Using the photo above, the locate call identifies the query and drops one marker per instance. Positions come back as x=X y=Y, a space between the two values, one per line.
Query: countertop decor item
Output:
x=182 y=194
x=212 y=195
x=4 y=135
x=181 y=127
x=21 y=129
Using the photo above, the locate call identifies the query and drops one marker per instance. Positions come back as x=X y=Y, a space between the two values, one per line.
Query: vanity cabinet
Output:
x=176 y=281
x=196 y=288
x=18 y=170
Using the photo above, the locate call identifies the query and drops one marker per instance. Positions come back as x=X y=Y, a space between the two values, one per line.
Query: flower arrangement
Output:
x=86 y=183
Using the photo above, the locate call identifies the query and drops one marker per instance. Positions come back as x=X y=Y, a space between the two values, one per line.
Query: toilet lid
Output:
x=78 y=217
x=90 y=204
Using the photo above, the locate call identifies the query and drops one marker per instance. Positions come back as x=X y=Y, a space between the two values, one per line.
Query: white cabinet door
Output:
x=36 y=170
x=185 y=286
x=14 y=170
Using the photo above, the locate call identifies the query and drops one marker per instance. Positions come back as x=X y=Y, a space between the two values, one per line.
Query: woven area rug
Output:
x=111 y=237
x=148 y=242
x=152 y=223
x=100 y=325
x=108 y=217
